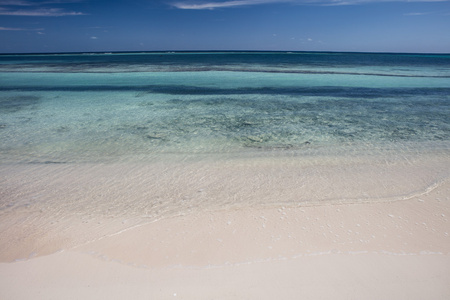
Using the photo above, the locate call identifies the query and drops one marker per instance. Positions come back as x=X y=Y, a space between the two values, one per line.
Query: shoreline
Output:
x=390 y=250
x=415 y=226
x=278 y=177
x=60 y=206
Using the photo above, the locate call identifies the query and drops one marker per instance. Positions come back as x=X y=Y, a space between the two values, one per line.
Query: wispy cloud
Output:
x=35 y=3
x=40 y=12
x=222 y=4
x=15 y=3
x=21 y=29
x=416 y=14
x=11 y=29
x=35 y=8
x=213 y=4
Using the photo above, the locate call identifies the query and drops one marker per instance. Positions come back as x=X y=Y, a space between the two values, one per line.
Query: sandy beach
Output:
x=380 y=250
x=224 y=175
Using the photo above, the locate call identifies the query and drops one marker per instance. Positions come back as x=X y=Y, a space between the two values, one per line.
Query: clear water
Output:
x=136 y=106
x=93 y=144
x=157 y=134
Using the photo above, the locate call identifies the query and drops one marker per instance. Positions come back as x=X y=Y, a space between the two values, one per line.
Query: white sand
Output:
x=388 y=250
x=73 y=275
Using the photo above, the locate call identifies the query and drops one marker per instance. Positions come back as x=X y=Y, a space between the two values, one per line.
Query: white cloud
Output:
x=40 y=12
x=94 y=38
x=16 y=3
x=416 y=14
x=35 y=9
x=11 y=29
x=21 y=29
x=34 y=3
x=211 y=4
x=222 y=4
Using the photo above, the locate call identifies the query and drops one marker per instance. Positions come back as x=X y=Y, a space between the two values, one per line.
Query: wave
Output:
x=198 y=90
x=102 y=68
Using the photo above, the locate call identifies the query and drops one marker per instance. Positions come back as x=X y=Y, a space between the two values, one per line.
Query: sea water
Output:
x=149 y=135
x=111 y=107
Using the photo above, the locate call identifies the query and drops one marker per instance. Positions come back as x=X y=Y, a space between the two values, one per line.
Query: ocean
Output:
x=136 y=137
x=74 y=108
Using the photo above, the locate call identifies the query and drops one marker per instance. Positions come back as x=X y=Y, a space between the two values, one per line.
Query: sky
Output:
x=28 y=26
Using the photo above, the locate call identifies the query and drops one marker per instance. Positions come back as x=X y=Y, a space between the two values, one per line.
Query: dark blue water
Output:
x=217 y=60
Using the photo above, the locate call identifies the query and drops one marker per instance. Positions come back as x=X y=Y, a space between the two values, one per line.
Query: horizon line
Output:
x=213 y=51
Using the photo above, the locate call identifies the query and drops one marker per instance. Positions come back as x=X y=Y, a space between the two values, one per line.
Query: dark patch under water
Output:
x=11 y=104
x=105 y=114
x=290 y=122
x=349 y=92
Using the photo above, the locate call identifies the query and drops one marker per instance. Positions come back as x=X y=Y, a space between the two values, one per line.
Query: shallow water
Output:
x=146 y=136
x=85 y=117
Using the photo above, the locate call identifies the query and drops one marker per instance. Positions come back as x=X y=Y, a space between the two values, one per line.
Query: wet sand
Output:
x=384 y=250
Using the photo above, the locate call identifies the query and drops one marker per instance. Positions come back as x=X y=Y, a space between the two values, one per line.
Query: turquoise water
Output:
x=113 y=107
x=94 y=144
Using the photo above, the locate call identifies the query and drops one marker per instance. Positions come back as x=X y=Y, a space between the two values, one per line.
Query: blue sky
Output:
x=295 y=25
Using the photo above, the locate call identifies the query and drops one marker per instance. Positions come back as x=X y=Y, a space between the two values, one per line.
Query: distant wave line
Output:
x=198 y=90
x=159 y=69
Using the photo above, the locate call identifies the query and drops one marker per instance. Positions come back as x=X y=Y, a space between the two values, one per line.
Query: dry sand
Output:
x=385 y=250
